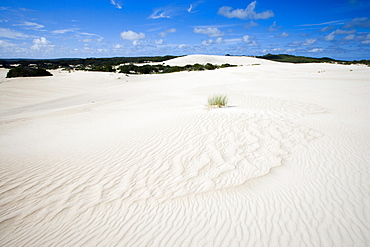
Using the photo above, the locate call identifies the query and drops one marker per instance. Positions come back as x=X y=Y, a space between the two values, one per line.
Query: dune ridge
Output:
x=107 y=160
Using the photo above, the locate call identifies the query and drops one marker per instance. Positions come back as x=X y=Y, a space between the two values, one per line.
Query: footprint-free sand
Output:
x=105 y=159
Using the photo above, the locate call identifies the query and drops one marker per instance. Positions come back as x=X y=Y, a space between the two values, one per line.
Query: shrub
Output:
x=25 y=72
x=217 y=101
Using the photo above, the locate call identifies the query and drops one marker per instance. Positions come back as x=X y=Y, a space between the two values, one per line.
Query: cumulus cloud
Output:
x=249 y=40
x=131 y=35
x=117 y=4
x=363 y=22
x=211 y=41
x=244 y=14
x=166 y=32
x=246 y=39
x=309 y=41
x=41 y=43
x=210 y=31
x=11 y=34
x=181 y=46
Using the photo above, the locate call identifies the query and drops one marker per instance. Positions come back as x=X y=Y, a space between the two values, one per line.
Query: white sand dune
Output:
x=101 y=159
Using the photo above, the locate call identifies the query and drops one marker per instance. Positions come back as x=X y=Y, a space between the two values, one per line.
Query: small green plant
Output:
x=217 y=101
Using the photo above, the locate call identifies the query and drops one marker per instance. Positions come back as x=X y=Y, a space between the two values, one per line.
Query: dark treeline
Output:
x=154 y=69
x=301 y=59
x=93 y=64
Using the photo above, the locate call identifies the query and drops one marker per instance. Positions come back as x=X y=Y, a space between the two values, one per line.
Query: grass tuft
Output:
x=217 y=101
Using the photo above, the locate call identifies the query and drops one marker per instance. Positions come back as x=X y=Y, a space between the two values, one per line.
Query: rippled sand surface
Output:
x=104 y=159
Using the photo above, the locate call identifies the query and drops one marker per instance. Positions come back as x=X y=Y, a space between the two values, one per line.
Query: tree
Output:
x=25 y=72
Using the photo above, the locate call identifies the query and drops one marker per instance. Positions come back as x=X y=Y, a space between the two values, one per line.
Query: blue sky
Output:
x=106 y=28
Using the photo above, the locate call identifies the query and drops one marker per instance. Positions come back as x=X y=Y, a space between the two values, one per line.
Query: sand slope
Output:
x=101 y=159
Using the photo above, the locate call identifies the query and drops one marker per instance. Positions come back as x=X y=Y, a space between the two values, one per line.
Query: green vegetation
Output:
x=25 y=72
x=300 y=59
x=89 y=64
x=154 y=69
x=217 y=101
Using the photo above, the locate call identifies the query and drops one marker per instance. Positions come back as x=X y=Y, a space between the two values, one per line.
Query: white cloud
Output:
x=159 y=42
x=246 y=39
x=62 y=31
x=233 y=41
x=219 y=40
x=10 y=34
x=363 y=22
x=327 y=29
x=320 y=24
x=210 y=31
x=349 y=37
x=116 y=4
x=207 y=42
x=249 y=40
x=41 y=43
x=330 y=36
x=295 y=44
x=190 y=9
x=283 y=35
x=135 y=42
x=276 y=49
x=181 y=46
x=86 y=40
x=30 y=25
x=131 y=35
x=309 y=41
x=251 y=24
x=166 y=32
x=160 y=13
x=339 y=31
x=244 y=14
x=273 y=27
x=118 y=46
x=5 y=44
x=211 y=41
x=367 y=40
x=315 y=50
x=290 y=50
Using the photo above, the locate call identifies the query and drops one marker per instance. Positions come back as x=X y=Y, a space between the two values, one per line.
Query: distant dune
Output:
x=219 y=60
x=104 y=159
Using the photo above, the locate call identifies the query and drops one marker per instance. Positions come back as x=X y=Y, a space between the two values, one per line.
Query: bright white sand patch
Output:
x=104 y=159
